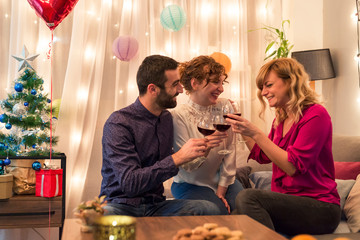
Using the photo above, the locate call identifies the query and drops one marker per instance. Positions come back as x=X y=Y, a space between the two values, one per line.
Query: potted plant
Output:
x=89 y=211
x=279 y=41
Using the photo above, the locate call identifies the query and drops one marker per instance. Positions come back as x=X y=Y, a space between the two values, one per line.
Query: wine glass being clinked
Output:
x=221 y=125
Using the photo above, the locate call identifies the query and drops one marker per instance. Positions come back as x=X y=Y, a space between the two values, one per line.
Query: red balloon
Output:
x=52 y=11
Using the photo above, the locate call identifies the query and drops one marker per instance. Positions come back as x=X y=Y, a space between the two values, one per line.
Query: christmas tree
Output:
x=25 y=117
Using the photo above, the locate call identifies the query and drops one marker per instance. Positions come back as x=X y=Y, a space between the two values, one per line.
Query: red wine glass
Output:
x=206 y=126
x=221 y=125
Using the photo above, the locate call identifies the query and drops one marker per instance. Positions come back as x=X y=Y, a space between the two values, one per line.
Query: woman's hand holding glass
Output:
x=243 y=126
x=236 y=111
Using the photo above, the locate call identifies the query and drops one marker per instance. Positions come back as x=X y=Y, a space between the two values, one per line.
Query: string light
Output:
x=82 y=94
x=6 y=15
x=128 y=5
x=206 y=10
x=263 y=11
x=108 y=2
x=75 y=138
x=76 y=180
x=89 y=53
x=232 y=11
x=168 y=47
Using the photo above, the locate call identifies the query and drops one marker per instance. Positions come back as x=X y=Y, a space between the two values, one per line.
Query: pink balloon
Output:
x=52 y=11
x=125 y=47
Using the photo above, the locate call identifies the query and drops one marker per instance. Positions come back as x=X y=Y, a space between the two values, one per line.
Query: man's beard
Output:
x=164 y=100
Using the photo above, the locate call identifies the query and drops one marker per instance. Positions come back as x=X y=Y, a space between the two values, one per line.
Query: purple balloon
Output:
x=125 y=47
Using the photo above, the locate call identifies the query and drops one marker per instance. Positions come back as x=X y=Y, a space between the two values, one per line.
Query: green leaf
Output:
x=269 y=46
x=269 y=56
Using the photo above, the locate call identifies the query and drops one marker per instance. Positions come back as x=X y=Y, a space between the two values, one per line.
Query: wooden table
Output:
x=164 y=228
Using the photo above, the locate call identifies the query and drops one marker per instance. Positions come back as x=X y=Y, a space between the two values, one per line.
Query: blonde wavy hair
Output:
x=300 y=93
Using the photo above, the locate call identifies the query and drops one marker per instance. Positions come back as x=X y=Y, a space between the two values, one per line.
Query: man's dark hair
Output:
x=152 y=70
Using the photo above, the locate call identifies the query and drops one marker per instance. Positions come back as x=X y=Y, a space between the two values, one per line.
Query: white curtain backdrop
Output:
x=92 y=83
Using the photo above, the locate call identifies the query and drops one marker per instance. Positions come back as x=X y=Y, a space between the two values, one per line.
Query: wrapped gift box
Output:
x=6 y=182
x=49 y=182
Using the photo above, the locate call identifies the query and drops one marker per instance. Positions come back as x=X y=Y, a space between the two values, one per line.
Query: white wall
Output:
x=343 y=92
x=328 y=24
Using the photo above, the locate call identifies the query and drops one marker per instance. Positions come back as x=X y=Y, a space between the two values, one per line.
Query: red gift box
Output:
x=48 y=183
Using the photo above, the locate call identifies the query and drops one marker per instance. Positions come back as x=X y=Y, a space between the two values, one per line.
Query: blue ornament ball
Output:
x=33 y=92
x=36 y=165
x=7 y=161
x=34 y=146
x=8 y=126
x=49 y=100
x=3 y=118
x=18 y=87
x=26 y=104
x=173 y=18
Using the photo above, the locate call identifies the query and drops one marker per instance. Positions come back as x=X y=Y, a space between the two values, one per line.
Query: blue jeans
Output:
x=190 y=191
x=288 y=214
x=166 y=208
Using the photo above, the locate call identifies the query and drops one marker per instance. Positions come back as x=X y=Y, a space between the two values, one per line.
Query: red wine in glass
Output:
x=226 y=116
x=206 y=131
x=221 y=127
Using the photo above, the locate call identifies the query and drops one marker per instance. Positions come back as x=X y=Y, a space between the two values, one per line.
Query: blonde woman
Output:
x=303 y=196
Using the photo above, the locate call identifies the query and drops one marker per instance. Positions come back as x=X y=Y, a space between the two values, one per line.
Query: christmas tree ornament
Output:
x=49 y=100
x=8 y=126
x=24 y=59
x=33 y=92
x=26 y=104
x=18 y=87
x=36 y=165
x=7 y=161
x=3 y=118
x=19 y=109
x=52 y=11
x=125 y=47
x=34 y=146
x=173 y=18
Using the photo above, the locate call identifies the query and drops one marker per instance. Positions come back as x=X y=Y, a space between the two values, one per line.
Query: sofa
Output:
x=346 y=153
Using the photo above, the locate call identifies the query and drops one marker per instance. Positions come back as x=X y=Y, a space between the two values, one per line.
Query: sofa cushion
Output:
x=347 y=170
x=261 y=179
x=344 y=187
x=346 y=148
x=242 y=174
x=352 y=207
